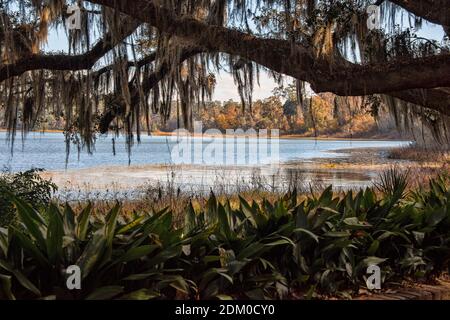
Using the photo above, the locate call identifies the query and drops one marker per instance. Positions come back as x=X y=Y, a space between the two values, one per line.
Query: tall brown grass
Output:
x=414 y=152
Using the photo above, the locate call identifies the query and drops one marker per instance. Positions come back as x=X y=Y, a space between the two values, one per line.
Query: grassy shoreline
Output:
x=355 y=165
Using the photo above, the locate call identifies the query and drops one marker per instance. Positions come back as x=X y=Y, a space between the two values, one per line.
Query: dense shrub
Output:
x=260 y=250
x=29 y=186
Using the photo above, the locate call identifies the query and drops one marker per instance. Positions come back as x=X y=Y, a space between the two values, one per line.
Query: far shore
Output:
x=360 y=137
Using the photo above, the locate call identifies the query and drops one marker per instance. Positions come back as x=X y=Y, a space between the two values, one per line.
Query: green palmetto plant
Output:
x=253 y=250
x=112 y=255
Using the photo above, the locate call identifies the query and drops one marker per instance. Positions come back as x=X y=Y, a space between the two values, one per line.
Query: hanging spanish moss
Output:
x=129 y=70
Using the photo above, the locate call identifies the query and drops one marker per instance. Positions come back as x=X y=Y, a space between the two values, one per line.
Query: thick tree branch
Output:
x=399 y=78
x=138 y=64
x=299 y=62
x=435 y=11
x=67 y=62
x=438 y=98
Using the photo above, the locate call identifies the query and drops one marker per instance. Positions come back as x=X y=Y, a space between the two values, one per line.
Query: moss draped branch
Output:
x=147 y=84
x=64 y=62
x=337 y=76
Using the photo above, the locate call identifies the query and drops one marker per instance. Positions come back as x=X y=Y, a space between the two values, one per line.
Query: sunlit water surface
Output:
x=48 y=151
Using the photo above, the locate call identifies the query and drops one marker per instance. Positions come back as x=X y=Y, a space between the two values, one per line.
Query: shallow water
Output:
x=48 y=151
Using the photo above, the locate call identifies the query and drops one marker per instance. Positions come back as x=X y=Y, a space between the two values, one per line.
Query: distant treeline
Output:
x=316 y=115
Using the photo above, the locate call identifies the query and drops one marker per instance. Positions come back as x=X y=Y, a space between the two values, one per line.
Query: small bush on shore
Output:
x=29 y=186
x=265 y=250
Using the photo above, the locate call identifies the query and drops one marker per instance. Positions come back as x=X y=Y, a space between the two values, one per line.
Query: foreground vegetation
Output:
x=284 y=249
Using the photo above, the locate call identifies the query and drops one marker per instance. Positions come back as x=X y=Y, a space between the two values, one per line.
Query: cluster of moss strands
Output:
x=121 y=95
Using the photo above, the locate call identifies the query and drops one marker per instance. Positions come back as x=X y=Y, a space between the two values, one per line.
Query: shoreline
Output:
x=370 y=137
x=356 y=168
x=318 y=162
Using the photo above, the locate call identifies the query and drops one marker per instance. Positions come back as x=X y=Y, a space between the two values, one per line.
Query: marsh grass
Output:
x=169 y=196
x=414 y=152
x=158 y=196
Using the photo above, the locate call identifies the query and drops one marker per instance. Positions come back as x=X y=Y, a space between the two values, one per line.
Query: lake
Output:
x=48 y=151
x=152 y=163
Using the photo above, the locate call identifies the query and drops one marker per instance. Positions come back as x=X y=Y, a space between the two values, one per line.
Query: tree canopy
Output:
x=133 y=58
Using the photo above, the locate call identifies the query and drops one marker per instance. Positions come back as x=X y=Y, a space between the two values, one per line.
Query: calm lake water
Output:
x=48 y=151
